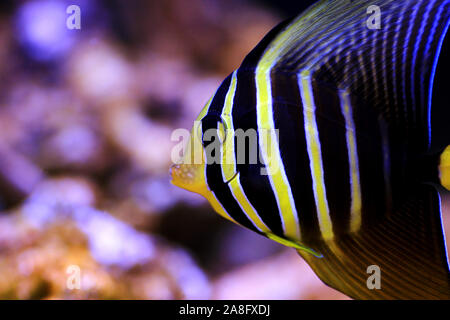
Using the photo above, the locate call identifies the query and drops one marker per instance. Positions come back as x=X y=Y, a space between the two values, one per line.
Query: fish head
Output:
x=210 y=143
x=223 y=151
x=189 y=172
x=210 y=148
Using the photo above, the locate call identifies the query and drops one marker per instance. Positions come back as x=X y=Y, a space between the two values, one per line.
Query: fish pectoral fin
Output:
x=403 y=257
x=294 y=244
x=444 y=168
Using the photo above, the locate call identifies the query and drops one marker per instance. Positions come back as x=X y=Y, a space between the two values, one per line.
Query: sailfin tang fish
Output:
x=351 y=177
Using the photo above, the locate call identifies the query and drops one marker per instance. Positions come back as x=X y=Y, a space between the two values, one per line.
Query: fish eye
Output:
x=212 y=126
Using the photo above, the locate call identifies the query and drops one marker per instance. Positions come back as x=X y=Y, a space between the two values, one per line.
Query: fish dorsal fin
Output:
x=388 y=67
x=408 y=248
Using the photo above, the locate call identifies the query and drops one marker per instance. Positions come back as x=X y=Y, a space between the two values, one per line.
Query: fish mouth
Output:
x=173 y=168
x=175 y=178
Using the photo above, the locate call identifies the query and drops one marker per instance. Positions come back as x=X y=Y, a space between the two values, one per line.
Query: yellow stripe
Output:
x=281 y=44
x=315 y=156
x=312 y=29
x=210 y=196
x=267 y=137
x=241 y=198
x=229 y=163
x=271 y=154
x=218 y=207
x=270 y=149
x=355 y=210
x=277 y=178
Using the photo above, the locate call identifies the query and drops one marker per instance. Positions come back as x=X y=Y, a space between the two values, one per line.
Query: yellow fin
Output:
x=292 y=244
x=444 y=168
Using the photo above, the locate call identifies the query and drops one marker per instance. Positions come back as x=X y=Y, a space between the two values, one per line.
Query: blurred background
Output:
x=85 y=123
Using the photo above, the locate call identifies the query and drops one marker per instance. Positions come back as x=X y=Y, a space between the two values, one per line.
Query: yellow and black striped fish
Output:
x=350 y=176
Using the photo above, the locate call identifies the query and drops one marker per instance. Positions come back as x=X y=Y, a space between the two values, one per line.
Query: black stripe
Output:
x=440 y=112
x=400 y=114
x=370 y=160
x=214 y=176
x=301 y=52
x=288 y=119
x=218 y=101
x=252 y=59
x=374 y=67
x=412 y=92
x=424 y=67
x=388 y=77
x=418 y=87
x=336 y=168
x=257 y=187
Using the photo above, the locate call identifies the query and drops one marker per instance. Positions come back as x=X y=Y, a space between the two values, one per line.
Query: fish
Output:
x=324 y=140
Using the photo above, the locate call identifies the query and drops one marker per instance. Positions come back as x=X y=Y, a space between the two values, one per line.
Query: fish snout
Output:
x=187 y=176
x=174 y=173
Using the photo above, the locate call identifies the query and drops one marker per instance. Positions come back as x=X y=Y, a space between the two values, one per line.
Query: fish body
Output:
x=322 y=140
